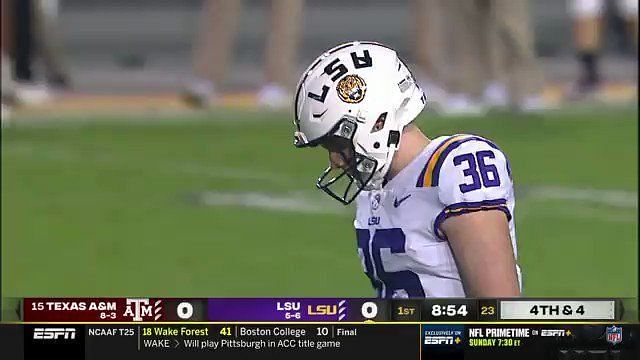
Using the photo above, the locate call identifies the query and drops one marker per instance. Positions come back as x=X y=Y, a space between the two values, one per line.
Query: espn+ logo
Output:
x=54 y=333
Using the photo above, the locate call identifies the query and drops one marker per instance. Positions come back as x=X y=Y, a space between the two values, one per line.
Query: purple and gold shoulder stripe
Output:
x=468 y=207
x=430 y=175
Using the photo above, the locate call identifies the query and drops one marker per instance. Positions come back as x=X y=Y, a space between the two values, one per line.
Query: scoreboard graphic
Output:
x=293 y=328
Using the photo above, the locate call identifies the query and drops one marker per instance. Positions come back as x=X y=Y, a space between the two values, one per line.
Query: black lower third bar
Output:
x=232 y=341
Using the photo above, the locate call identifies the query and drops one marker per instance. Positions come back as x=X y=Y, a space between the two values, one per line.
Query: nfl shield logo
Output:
x=614 y=334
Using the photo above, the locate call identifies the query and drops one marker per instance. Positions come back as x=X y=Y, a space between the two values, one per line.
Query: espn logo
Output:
x=54 y=333
x=552 y=332
x=438 y=340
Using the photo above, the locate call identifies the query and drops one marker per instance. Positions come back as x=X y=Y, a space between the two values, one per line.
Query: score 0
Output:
x=369 y=310
x=184 y=310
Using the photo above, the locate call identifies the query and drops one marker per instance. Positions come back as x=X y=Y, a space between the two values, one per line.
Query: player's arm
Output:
x=482 y=248
x=475 y=186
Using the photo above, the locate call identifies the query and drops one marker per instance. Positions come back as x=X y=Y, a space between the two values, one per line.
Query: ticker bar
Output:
x=228 y=341
x=337 y=341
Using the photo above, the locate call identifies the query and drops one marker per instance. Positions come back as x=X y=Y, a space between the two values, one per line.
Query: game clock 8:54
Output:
x=449 y=310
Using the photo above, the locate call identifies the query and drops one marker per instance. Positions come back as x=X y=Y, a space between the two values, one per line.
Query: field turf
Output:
x=222 y=205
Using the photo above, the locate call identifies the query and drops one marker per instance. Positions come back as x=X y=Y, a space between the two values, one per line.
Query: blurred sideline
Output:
x=88 y=104
x=127 y=58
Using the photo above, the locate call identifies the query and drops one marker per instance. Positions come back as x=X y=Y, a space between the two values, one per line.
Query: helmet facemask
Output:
x=346 y=182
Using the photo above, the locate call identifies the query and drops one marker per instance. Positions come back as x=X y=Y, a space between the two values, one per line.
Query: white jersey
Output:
x=401 y=246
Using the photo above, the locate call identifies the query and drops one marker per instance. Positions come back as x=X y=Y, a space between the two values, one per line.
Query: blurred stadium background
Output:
x=113 y=185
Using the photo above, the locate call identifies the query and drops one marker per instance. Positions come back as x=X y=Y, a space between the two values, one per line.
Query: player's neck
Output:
x=412 y=142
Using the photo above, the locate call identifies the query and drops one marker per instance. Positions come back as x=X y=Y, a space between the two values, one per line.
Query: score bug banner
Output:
x=316 y=310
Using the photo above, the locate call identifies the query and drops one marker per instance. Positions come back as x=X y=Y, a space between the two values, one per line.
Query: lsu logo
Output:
x=339 y=310
x=322 y=310
x=139 y=309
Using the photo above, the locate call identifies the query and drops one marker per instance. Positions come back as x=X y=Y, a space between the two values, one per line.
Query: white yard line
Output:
x=168 y=117
x=291 y=202
x=618 y=198
x=582 y=212
x=302 y=201
x=67 y=154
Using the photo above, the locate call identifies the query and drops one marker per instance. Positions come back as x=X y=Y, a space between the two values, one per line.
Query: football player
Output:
x=434 y=217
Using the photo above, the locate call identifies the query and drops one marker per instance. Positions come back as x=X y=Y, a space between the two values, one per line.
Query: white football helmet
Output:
x=364 y=93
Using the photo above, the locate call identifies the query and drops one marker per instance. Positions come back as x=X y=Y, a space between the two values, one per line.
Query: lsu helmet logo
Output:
x=351 y=89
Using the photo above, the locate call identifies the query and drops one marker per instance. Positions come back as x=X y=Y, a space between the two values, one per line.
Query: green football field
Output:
x=222 y=205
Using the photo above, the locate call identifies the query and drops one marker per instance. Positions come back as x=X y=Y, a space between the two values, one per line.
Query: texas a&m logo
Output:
x=143 y=309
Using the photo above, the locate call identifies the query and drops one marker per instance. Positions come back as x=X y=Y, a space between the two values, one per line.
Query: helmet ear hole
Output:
x=394 y=138
x=379 y=124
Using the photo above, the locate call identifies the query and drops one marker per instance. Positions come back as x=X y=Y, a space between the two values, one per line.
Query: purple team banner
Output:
x=288 y=309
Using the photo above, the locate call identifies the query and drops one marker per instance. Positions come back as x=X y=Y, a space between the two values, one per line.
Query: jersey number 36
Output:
x=481 y=174
x=406 y=282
